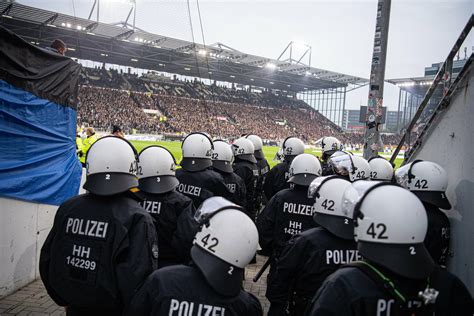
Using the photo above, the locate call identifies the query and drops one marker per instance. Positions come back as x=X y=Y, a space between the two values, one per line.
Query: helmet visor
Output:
x=341 y=163
x=402 y=176
x=314 y=187
x=353 y=194
x=212 y=206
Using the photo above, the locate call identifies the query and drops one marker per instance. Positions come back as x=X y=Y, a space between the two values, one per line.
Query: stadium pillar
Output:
x=372 y=141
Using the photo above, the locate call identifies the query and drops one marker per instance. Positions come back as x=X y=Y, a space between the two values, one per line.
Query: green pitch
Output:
x=269 y=151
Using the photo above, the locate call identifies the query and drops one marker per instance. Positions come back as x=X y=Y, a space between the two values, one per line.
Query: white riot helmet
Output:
x=225 y=244
x=304 y=169
x=327 y=194
x=197 y=152
x=354 y=167
x=257 y=144
x=380 y=169
x=391 y=225
x=292 y=146
x=427 y=180
x=156 y=170
x=111 y=166
x=329 y=145
x=243 y=149
x=222 y=156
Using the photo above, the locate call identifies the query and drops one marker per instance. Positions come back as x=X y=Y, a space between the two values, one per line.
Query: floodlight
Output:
x=202 y=52
x=68 y=24
x=271 y=66
x=63 y=24
x=79 y=27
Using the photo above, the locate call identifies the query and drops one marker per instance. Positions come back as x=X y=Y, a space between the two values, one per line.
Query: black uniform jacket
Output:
x=169 y=210
x=350 y=291
x=201 y=185
x=236 y=186
x=276 y=179
x=305 y=263
x=263 y=169
x=98 y=252
x=249 y=173
x=183 y=291
x=289 y=212
x=438 y=235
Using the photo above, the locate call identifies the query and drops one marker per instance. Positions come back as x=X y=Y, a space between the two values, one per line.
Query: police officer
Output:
x=103 y=244
x=314 y=254
x=397 y=275
x=351 y=167
x=290 y=211
x=245 y=166
x=329 y=145
x=196 y=179
x=90 y=139
x=380 y=169
x=157 y=182
x=222 y=158
x=277 y=177
x=263 y=169
x=212 y=283
x=429 y=181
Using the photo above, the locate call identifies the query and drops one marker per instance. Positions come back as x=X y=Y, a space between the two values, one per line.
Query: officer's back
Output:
x=397 y=275
x=429 y=182
x=102 y=244
x=222 y=158
x=196 y=179
x=290 y=211
x=311 y=256
x=169 y=209
x=200 y=185
x=263 y=169
x=212 y=283
x=245 y=167
x=277 y=177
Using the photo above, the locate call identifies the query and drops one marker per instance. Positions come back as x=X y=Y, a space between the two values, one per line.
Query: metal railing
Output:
x=444 y=77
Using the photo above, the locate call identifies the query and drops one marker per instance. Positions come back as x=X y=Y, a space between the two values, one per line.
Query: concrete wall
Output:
x=450 y=144
x=24 y=227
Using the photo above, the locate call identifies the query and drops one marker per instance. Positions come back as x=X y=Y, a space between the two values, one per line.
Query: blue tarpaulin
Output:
x=38 y=90
x=38 y=159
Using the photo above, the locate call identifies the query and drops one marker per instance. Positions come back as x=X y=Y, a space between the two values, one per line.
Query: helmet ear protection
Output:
x=201 y=133
x=357 y=212
x=135 y=152
x=411 y=176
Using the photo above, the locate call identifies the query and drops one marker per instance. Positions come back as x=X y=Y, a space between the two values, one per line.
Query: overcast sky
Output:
x=340 y=32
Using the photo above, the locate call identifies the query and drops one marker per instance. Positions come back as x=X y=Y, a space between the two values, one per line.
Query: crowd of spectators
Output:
x=180 y=107
x=104 y=107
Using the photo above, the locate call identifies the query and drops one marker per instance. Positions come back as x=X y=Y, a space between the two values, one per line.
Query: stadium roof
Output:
x=91 y=40
x=416 y=85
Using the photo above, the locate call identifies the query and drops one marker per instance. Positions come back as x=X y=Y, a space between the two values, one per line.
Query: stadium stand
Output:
x=108 y=97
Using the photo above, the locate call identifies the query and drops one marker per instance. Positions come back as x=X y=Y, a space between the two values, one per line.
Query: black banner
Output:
x=44 y=73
